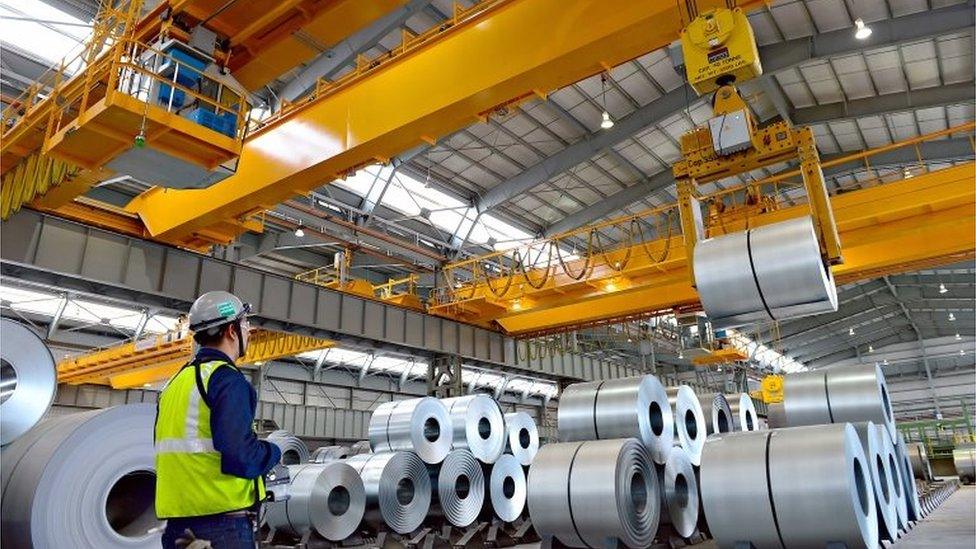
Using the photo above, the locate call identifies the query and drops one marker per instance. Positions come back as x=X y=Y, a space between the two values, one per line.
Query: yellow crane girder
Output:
x=156 y=358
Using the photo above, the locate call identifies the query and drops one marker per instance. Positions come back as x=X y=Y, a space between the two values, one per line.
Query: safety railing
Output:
x=646 y=238
x=321 y=276
x=397 y=286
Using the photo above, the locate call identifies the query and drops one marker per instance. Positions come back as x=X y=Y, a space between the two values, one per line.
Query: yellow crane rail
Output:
x=886 y=227
x=156 y=358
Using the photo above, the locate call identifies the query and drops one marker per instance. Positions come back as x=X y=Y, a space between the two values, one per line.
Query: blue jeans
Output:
x=223 y=532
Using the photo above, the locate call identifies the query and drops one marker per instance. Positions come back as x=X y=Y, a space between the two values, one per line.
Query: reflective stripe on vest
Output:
x=189 y=477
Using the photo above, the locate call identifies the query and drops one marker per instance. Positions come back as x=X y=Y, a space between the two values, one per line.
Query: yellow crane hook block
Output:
x=719 y=48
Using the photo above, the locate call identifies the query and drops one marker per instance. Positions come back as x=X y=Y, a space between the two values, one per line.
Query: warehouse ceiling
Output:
x=545 y=166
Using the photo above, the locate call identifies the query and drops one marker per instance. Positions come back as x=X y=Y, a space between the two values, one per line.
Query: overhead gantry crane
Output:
x=343 y=125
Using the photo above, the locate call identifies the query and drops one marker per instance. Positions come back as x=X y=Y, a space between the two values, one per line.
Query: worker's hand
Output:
x=190 y=541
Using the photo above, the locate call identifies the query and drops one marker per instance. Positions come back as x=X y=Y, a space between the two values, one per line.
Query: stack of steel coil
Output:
x=838 y=395
x=679 y=493
x=689 y=421
x=744 y=417
x=419 y=425
x=885 y=496
x=521 y=437
x=293 y=450
x=327 y=498
x=618 y=408
x=718 y=413
x=786 y=276
x=506 y=489
x=914 y=510
x=478 y=426
x=82 y=480
x=895 y=473
x=28 y=379
x=361 y=447
x=800 y=487
x=586 y=494
x=398 y=490
x=325 y=454
x=964 y=458
x=459 y=483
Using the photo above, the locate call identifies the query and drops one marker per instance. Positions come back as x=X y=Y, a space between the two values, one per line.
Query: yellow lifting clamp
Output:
x=719 y=48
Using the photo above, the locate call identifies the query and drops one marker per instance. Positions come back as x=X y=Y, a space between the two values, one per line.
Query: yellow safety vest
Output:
x=189 y=482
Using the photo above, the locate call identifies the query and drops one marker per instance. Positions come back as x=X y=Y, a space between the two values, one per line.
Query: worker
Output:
x=210 y=465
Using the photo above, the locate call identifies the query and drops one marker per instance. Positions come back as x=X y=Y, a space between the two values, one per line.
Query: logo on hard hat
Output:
x=226 y=309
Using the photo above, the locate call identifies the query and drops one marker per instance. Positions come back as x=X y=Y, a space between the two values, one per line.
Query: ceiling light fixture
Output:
x=862 y=31
x=870 y=349
x=958 y=337
x=952 y=317
x=884 y=362
x=681 y=355
x=299 y=232
x=607 y=122
x=850 y=331
x=942 y=288
x=962 y=351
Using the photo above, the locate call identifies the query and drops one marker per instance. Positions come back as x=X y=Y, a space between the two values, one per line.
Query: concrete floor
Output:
x=952 y=525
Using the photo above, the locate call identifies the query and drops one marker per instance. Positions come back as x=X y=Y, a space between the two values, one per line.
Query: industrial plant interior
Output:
x=422 y=274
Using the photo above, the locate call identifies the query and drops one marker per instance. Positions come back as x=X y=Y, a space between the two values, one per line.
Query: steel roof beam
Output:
x=938 y=96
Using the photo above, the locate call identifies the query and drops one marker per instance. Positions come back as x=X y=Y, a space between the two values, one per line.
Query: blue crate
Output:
x=225 y=123
x=179 y=96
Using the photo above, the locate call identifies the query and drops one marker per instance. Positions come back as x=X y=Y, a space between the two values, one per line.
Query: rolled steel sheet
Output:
x=328 y=498
x=82 y=480
x=895 y=470
x=293 y=450
x=680 y=493
x=478 y=426
x=920 y=460
x=619 y=408
x=419 y=425
x=718 y=413
x=521 y=437
x=506 y=488
x=772 y=272
x=460 y=487
x=689 y=421
x=821 y=488
x=859 y=393
x=735 y=490
x=744 y=417
x=805 y=399
x=885 y=497
x=28 y=380
x=775 y=415
x=964 y=458
x=585 y=493
x=398 y=490
x=361 y=447
x=908 y=479
x=325 y=454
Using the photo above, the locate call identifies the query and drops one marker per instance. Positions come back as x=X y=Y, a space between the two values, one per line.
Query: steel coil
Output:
x=775 y=415
x=919 y=457
x=28 y=380
x=805 y=400
x=786 y=278
x=859 y=393
x=679 y=490
x=398 y=490
x=419 y=425
x=744 y=417
x=882 y=479
x=586 y=493
x=964 y=458
x=328 y=498
x=478 y=426
x=506 y=488
x=293 y=450
x=718 y=413
x=521 y=437
x=735 y=492
x=459 y=484
x=326 y=454
x=895 y=470
x=82 y=480
x=821 y=488
x=361 y=447
x=908 y=479
x=689 y=421
x=618 y=408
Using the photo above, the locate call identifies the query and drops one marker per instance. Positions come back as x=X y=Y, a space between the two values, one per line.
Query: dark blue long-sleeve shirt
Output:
x=233 y=403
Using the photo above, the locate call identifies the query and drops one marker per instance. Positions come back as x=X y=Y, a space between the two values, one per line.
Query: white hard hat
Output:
x=216 y=308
